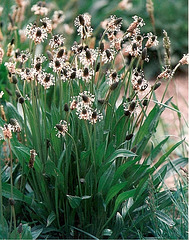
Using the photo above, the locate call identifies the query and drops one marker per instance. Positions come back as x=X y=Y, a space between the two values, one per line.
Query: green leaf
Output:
x=114 y=190
x=155 y=151
x=118 y=227
x=75 y=200
x=23 y=154
x=163 y=158
x=3 y=229
x=107 y=232
x=123 y=167
x=17 y=195
x=61 y=159
x=120 y=153
x=99 y=153
x=142 y=186
x=26 y=233
x=173 y=166
x=52 y=170
x=86 y=233
x=122 y=197
x=159 y=177
x=149 y=125
x=11 y=112
x=177 y=109
x=50 y=218
x=106 y=179
x=126 y=206
x=148 y=128
x=36 y=231
x=164 y=218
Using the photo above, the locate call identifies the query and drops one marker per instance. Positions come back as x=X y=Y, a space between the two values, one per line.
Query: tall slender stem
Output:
x=92 y=152
x=77 y=162
x=11 y=180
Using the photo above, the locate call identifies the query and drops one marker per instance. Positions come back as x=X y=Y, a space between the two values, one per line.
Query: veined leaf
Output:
x=13 y=113
x=75 y=200
x=99 y=153
x=120 y=153
x=86 y=233
x=17 y=195
x=26 y=233
x=52 y=170
x=159 y=177
x=155 y=151
x=50 y=218
x=106 y=179
x=177 y=109
x=173 y=166
x=114 y=190
x=164 y=218
x=36 y=231
x=149 y=127
x=121 y=198
x=126 y=206
x=4 y=229
x=163 y=158
x=118 y=227
x=23 y=154
x=107 y=232
x=123 y=167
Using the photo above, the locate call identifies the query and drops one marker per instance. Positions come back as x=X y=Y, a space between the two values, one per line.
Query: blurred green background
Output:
x=170 y=15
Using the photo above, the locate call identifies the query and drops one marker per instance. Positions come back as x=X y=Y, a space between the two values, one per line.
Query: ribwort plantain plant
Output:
x=74 y=132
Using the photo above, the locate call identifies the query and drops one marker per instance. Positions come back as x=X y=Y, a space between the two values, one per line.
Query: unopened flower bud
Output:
x=17 y=93
x=129 y=137
x=101 y=47
x=97 y=67
x=114 y=86
x=81 y=20
x=145 y=102
x=14 y=79
x=156 y=86
x=127 y=113
x=144 y=53
x=21 y=100
x=132 y=106
x=66 y=107
x=134 y=149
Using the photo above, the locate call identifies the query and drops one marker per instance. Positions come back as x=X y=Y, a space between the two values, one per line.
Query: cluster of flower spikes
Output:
x=83 y=103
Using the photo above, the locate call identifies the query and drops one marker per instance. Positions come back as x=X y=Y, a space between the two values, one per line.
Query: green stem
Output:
x=56 y=201
x=77 y=162
x=92 y=152
x=11 y=179
x=45 y=124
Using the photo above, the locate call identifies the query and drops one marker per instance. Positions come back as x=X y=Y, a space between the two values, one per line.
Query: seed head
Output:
x=62 y=128
x=129 y=137
x=66 y=107
x=32 y=158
